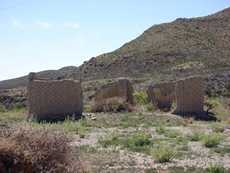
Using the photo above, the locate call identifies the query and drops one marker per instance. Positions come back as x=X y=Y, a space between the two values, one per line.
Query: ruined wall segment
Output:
x=162 y=95
x=54 y=99
x=119 y=92
x=190 y=96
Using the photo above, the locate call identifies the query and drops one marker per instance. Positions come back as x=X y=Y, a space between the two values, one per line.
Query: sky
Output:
x=38 y=35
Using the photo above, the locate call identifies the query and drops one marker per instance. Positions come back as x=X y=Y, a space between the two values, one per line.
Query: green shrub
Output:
x=218 y=128
x=110 y=141
x=141 y=98
x=172 y=133
x=2 y=109
x=150 y=107
x=163 y=153
x=215 y=169
x=87 y=108
x=211 y=104
x=212 y=140
x=168 y=133
x=161 y=130
x=139 y=142
x=68 y=126
x=196 y=136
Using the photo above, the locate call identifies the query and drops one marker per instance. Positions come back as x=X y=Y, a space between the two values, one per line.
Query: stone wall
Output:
x=54 y=99
x=162 y=95
x=190 y=96
x=121 y=90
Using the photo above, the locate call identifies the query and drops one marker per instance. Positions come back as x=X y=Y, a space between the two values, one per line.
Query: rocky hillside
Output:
x=163 y=52
x=179 y=48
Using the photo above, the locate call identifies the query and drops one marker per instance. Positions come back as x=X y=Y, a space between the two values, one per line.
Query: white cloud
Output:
x=17 y=24
x=43 y=25
x=72 y=25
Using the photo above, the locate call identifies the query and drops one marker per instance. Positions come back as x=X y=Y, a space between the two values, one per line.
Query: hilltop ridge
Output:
x=167 y=51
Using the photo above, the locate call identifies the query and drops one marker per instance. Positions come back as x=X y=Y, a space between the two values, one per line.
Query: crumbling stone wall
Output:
x=54 y=99
x=121 y=90
x=162 y=95
x=190 y=96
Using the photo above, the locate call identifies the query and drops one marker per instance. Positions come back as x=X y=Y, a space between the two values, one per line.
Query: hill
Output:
x=163 y=52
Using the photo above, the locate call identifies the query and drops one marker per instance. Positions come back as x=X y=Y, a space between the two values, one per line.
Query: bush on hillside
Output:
x=29 y=150
x=114 y=104
x=141 y=98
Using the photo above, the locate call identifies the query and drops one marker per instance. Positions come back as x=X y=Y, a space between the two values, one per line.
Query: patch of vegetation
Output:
x=141 y=98
x=138 y=142
x=150 y=107
x=172 y=134
x=195 y=136
x=211 y=104
x=186 y=170
x=13 y=116
x=161 y=130
x=188 y=65
x=163 y=153
x=25 y=149
x=217 y=128
x=167 y=133
x=211 y=140
x=125 y=120
x=87 y=108
x=219 y=107
x=216 y=169
x=223 y=149
x=2 y=108
x=114 y=104
x=68 y=126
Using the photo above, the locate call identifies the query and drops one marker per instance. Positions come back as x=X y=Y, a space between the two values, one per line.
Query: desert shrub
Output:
x=188 y=121
x=150 y=107
x=161 y=129
x=18 y=107
x=212 y=140
x=78 y=127
x=110 y=141
x=218 y=128
x=163 y=153
x=115 y=104
x=87 y=108
x=25 y=149
x=141 y=98
x=196 y=136
x=68 y=126
x=211 y=104
x=138 y=142
x=215 y=169
x=172 y=133
x=2 y=108
x=168 y=133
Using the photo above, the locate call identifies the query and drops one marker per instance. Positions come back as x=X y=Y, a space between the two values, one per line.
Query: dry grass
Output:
x=25 y=149
x=114 y=104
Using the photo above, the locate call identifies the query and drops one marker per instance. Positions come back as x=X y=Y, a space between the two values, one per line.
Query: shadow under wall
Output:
x=204 y=116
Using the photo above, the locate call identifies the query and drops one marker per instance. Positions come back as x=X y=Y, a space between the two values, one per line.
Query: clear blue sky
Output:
x=49 y=34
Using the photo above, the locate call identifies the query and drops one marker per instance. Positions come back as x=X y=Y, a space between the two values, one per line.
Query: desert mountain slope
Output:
x=167 y=51
x=185 y=45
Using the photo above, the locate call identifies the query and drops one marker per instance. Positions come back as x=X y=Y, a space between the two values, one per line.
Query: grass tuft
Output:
x=139 y=142
x=163 y=153
x=196 y=136
x=212 y=140
x=215 y=169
